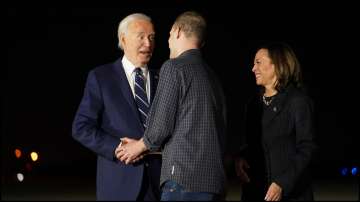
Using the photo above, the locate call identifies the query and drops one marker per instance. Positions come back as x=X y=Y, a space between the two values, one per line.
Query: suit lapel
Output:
x=274 y=109
x=125 y=89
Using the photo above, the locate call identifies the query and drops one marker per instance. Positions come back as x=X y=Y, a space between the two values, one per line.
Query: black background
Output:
x=50 y=50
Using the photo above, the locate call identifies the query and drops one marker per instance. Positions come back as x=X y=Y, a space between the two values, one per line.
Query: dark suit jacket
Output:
x=189 y=116
x=280 y=144
x=106 y=113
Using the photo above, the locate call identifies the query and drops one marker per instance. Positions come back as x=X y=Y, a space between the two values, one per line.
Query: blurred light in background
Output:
x=34 y=156
x=20 y=177
x=344 y=171
x=17 y=153
x=26 y=166
x=354 y=171
x=349 y=171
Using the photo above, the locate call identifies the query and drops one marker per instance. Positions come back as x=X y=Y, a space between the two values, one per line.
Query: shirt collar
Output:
x=129 y=67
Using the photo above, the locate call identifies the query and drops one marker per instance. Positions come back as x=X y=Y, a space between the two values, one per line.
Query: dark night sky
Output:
x=51 y=50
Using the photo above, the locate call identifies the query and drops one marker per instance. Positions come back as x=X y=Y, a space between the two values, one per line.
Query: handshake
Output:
x=130 y=150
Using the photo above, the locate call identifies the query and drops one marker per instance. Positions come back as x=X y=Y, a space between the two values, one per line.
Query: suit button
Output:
x=147 y=164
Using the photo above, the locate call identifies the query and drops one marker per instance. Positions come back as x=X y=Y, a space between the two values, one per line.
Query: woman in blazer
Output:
x=278 y=143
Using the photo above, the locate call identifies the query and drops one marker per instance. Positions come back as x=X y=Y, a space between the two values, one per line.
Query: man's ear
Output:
x=122 y=39
x=178 y=32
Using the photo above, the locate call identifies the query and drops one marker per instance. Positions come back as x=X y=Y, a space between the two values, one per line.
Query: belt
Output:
x=154 y=153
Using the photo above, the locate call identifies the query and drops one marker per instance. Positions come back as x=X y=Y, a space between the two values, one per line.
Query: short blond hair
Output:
x=192 y=24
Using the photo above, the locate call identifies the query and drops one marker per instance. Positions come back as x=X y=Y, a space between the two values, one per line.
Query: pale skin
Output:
x=134 y=150
x=131 y=150
x=138 y=42
x=138 y=45
x=178 y=42
x=265 y=76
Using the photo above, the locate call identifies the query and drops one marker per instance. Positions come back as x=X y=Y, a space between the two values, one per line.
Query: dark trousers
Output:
x=150 y=190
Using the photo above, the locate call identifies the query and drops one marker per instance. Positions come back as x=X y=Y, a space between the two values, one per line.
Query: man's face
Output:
x=139 y=41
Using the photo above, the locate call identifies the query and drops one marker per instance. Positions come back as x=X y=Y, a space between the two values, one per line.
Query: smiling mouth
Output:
x=145 y=52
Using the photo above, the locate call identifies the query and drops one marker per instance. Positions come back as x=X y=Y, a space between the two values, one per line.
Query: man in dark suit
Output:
x=109 y=110
x=188 y=118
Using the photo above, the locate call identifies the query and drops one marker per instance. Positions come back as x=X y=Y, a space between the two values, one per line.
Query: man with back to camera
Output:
x=187 y=118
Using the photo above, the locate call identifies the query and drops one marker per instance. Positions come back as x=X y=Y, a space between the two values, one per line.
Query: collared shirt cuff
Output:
x=149 y=146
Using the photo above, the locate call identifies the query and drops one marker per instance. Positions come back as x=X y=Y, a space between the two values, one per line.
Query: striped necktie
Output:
x=140 y=96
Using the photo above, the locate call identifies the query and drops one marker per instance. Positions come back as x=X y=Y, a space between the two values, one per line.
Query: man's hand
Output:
x=117 y=149
x=125 y=141
x=274 y=193
x=130 y=151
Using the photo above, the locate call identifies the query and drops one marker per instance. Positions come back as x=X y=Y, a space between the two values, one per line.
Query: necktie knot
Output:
x=138 y=71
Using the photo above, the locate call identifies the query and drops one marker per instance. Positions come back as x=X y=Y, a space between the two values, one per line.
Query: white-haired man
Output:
x=114 y=105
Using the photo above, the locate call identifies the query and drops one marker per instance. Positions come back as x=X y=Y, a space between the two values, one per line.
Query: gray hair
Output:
x=123 y=25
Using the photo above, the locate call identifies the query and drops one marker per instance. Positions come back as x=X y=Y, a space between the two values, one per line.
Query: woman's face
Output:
x=264 y=69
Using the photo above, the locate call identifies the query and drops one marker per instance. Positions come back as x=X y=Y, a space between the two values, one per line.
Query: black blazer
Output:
x=280 y=143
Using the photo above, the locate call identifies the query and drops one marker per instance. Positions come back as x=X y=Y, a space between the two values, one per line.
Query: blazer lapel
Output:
x=274 y=109
x=125 y=89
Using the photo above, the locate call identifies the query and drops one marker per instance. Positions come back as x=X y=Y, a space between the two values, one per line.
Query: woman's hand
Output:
x=240 y=166
x=274 y=193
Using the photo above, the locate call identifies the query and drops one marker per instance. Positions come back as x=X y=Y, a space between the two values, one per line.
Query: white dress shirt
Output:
x=129 y=69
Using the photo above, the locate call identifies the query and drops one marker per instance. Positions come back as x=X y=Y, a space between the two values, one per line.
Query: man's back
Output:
x=192 y=102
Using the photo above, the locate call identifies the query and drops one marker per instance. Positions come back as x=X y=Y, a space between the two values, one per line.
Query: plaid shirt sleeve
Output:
x=161 y=120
